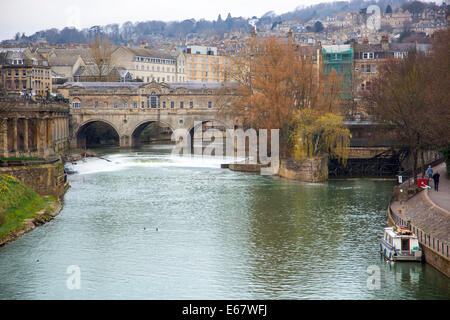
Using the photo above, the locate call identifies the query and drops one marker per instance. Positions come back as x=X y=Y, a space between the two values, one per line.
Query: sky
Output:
x=30 y=16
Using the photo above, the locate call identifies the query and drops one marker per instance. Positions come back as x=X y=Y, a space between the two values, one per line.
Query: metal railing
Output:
x=424 y=237
x=407 y=175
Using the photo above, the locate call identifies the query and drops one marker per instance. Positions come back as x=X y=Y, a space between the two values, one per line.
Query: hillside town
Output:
x=372 y=35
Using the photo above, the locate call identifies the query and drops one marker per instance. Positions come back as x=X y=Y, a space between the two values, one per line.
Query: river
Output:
x=149 y=225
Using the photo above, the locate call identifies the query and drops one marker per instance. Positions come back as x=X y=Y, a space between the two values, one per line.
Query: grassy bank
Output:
x=19 y=203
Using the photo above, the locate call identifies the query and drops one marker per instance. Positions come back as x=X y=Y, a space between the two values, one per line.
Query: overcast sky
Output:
x=30 y=16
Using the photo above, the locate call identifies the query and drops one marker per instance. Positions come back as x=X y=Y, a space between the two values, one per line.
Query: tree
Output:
x=318 y=26
x=100 y=67
x=278 y=80
x=411 y=98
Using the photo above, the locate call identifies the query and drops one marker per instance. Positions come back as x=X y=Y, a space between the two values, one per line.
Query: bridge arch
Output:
x=207 y=124
x=97 y=132
x=140 y=127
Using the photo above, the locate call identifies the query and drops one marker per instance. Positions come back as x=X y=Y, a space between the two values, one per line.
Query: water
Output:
x=210 y=234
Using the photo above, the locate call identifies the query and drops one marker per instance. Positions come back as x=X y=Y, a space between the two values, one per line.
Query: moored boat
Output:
x=400 y=245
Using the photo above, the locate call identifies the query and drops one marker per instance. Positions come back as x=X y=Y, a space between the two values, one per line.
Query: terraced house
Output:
x=203 y=64
x=22 y=71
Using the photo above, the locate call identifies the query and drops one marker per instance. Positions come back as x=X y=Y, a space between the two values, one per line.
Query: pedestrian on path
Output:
x=436 y=180
x=429 y=173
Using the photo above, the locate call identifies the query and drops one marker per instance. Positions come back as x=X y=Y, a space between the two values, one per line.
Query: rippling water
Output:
x=147 y=225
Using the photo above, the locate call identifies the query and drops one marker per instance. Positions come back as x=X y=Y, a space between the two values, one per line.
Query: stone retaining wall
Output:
x=308 y=170
x=45 y=179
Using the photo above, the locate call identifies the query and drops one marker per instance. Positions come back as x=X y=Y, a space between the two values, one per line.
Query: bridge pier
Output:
x=125 y=142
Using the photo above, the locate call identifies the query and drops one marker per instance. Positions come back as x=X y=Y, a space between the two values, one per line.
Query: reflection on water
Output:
x=149 y=225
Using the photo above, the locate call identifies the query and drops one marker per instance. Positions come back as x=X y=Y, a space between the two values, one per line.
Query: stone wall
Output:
x=45 y=179
x=308 y=170
x=365 y=153
x=245 y=167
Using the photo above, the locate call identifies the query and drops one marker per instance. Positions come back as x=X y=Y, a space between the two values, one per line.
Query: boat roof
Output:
x=399 y=233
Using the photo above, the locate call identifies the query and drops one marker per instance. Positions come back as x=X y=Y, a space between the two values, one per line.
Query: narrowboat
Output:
x=400 y=245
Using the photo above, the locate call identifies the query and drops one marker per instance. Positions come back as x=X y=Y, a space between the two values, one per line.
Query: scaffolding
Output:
x=339 y=58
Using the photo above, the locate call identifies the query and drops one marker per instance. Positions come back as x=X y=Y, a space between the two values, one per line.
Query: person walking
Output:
x=436 y=180
x=429 y=174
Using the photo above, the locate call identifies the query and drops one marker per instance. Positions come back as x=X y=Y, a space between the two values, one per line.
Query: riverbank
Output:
x=427 y=214
x=22 y=209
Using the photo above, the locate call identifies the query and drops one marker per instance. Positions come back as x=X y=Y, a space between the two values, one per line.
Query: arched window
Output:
x=76 y=104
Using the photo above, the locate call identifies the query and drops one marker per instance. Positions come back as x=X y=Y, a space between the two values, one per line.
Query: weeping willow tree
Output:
x=316 y=133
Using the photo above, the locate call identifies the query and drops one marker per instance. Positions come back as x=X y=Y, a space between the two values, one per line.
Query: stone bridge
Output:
x=128 y=108
x=129 y=124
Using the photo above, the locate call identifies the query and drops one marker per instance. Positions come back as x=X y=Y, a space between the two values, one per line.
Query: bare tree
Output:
x=412 y=99
x=100 y=67
x=276 y=81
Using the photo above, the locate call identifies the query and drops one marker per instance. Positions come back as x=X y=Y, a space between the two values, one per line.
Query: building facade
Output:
x=203 y=64
x=340 y=59
x=151 y=65
x=24 y=72
x=33 y=130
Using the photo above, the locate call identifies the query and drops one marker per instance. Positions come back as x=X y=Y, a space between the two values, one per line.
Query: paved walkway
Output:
x=429 y=210
x=441 y=198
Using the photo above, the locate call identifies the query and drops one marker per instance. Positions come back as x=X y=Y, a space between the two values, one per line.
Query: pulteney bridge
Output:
x=128 y=108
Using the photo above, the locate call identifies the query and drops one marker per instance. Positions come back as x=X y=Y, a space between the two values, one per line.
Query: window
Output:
x=125 y=105
x=116 y=105
x=164 y=104
x=154 y=100
x=191 y=104
x=76 y=104
x=365 y=68
x=209 y=105
x=96 y=104
x=181 y=105
x=400 y=55
x=24 y=73
x=142 y=105
x=135 y=105
x=172 y=105
x=368 y=55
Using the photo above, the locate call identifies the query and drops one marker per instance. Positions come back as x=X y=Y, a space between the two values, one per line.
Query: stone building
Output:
x=368 y=58
x=22 y=71
x=33 y=130
x=203 y=64
x=151 y=65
